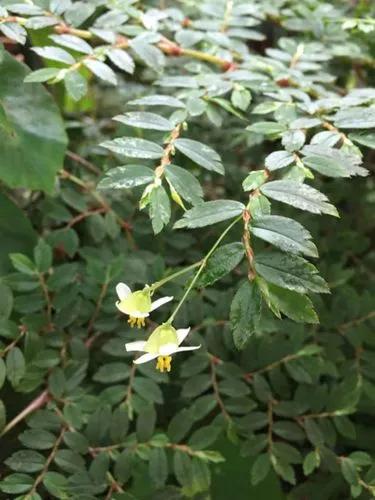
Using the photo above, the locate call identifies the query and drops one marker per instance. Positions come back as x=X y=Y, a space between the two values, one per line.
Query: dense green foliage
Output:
x=216 y=152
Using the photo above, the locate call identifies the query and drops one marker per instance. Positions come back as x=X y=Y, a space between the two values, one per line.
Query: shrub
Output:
x=179 y=161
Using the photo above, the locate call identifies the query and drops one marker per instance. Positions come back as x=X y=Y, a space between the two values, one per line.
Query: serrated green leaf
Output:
x=290 y=271
x=110 y=373
x=158 y=467
x=160 y=208
x=146 y=423
x=286 y=234
x=311 y=462
x=72 y=42
x=196 y=106
x=101 y=70
x=26 y=461
x=209 y=213
x=314 y=433
x=293 y=140
x=119 y=424
x=76 y=441
x=266 y=128
x=42 y=75
x=245 y=313
x=279 y=159
x=14 y=31
x=185 y=183
x=241 y=99
x=121 y=59
x=222 y=262
x=22 y=263
x=201 y=475
x=345 y=426
x=260 y=468
x=201 y=154
x=355 y=118
x=75 y=84
x=123 y=466
x=37 y=439
x=180 y=424
x=305 y=123
x=332 y=162
x=254 y=180
x=259 y=206
x=266 y=107
x=126 y=177
x=349 y=472
x=300 y=196
x=42 y=256
x=364 y=138
x=16 y=483
x=55 y=483
x=294 y=305
x=149 y=54
x=158 y=100
x=284 y=470
x=183 y=469
x=143 y=119
x=134 y=148
x=286 y=453
x=54 y=54
x=204 y=437
x=99 y=466
x=223 y=103
x=69 y=461
x=15 y=364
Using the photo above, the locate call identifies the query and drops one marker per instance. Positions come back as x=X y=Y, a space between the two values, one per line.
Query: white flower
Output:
x=137 y=305
x=164 y=341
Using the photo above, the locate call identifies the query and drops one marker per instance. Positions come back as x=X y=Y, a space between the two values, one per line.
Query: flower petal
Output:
x=138 y=345
x=190 y=348
x=167 y=349
x=139 y=314
x=122 y=290
x=159 y=302
x=120 y=307
x=129 y=311
x=182 y=334
x=145 y=358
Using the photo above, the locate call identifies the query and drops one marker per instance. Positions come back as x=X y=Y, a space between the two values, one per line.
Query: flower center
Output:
x=164 y=363
x=163 y=336
x=138 y=322
x=136 y=302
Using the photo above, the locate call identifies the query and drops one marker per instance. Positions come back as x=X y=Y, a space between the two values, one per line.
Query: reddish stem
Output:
x=36 y=404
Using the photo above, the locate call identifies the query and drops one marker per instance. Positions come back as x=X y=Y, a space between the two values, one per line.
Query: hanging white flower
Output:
x=164 y=341
x=137 y=305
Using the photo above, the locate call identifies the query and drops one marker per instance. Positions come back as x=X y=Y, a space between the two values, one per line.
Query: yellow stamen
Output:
x=167 y=363
x=160 y=364
x=164 y=363
x=138 y=322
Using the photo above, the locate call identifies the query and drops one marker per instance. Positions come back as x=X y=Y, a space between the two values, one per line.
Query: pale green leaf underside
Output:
x=300 y=196
x=143 y=119
x=126 y=177
x=209 y=213
x=134 y=148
